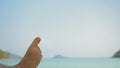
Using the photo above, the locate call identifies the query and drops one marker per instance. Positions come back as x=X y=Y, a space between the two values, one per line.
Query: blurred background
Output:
x=69 y=28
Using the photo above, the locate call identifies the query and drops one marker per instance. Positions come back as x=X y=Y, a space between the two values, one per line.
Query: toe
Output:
x=36 y=40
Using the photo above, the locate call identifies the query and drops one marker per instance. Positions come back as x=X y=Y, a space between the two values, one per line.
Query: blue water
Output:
x=73 y=63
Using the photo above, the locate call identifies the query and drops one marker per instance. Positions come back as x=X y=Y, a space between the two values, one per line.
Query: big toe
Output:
x=37 y=40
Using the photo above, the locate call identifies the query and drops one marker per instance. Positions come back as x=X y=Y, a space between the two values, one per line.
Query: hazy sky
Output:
x=73 y=28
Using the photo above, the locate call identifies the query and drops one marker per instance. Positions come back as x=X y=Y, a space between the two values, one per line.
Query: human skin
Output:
x=32 y=57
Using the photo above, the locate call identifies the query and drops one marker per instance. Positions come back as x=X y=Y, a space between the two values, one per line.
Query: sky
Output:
x=72 y=28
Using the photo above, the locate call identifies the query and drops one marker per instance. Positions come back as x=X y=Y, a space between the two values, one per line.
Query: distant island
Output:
x=7 y=55
x=117 y=54
x=60 y=57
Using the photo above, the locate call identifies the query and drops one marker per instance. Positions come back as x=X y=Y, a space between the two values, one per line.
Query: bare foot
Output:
x=32 y=57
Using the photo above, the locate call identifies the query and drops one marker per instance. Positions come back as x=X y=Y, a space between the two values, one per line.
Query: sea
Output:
x=72 y=63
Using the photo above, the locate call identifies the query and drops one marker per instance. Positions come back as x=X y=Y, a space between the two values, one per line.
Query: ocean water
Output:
x=73 y=63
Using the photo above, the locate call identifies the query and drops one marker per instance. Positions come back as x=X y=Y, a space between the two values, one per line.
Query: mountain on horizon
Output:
x=117 y=54
x=7 y=55
x=60 y=57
